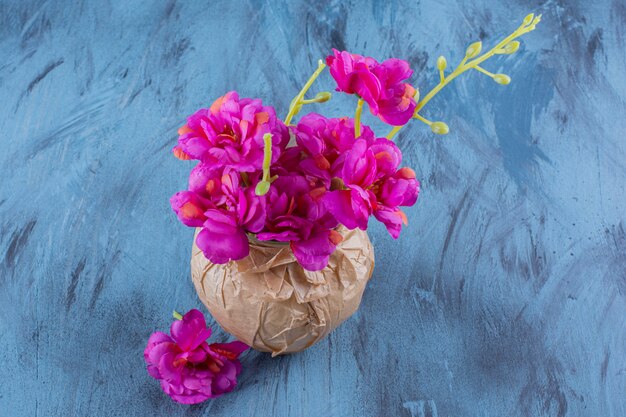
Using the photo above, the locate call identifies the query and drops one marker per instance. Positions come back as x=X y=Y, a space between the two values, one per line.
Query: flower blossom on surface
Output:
x=189 y=369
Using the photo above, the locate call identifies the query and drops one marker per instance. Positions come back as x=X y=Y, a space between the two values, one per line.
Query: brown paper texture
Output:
x=270 y=302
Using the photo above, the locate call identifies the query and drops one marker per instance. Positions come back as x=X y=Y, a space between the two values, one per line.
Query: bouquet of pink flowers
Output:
x=258 y=177
x=308 y=179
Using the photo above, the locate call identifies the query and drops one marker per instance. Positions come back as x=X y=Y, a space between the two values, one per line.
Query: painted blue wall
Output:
x=506 y=296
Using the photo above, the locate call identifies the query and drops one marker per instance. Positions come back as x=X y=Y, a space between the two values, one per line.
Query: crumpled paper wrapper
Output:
x=270 y=302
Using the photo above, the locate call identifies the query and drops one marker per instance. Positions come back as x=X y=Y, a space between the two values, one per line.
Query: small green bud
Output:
x=439 y=128
x=441 y=63
x=528 y=19
x=323 y=97
x=511 y=47
x=262 y=188
x=502 y=79
x=177 y=315
x=473 y=50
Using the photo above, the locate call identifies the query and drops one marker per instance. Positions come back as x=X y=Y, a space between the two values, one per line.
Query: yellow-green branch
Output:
x=357 y=118
x=470 y=61
x=264 y=185
x=298 y=101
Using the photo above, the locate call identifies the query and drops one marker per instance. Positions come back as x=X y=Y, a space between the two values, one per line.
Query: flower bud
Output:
x=511 y=47
x=322 y=97
x=473 y=50
x=534 y=23
x=262 y=188
x=528 y=19
x=441 y=63
x=439 y=128
x=502 y=79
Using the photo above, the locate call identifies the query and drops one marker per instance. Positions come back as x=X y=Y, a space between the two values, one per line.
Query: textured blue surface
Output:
x=506 y=296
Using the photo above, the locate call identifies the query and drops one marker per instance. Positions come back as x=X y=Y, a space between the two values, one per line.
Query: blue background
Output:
x=505 y=296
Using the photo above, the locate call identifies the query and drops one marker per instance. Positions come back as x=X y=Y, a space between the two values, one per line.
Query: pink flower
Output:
x=297 y=214
x=230 y=133
x=223 y=236
x=324 y=142
x=401 y=189
x=378 y=84
x=225 y=365
x=326 y=178
x=373 y=185
x=222 y=239
x=190 y=208
x=225 y=208
x=314 y=252
x=189 y=369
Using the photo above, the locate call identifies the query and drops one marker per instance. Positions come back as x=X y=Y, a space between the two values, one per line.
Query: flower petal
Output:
x=313 y=254
x=230 y=350
x=222 y=240
x=190 y=331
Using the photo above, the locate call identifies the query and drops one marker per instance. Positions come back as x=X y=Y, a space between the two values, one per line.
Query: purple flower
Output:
x=373 y=185
x=380 y=85
x=223 y=236
x=190 y=208
x=225 y=365
x=189 y=369
x=230 y=133
x=324 y=142
x=297 y=214
x=326 y=177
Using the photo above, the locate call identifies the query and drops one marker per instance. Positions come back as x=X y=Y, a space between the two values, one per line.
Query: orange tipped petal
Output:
x=244 y=125
x=406 y=173
x=210 y=186
x=191 y=211
x=217 y=104
x=322 y=163
x=262 y=118
x=227 y=181
x=335 y=237
x=226 y=353
x=317 y=192
x=180 y=154
x=184 y=129
x=403 y=217
x=383 y=155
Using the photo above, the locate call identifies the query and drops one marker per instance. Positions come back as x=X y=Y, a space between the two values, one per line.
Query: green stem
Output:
x=357 y=118
x=393 y=132
x=465 y=65
x=422 y=119
x=263 y=186
x=484 y=71
x=298 y=100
